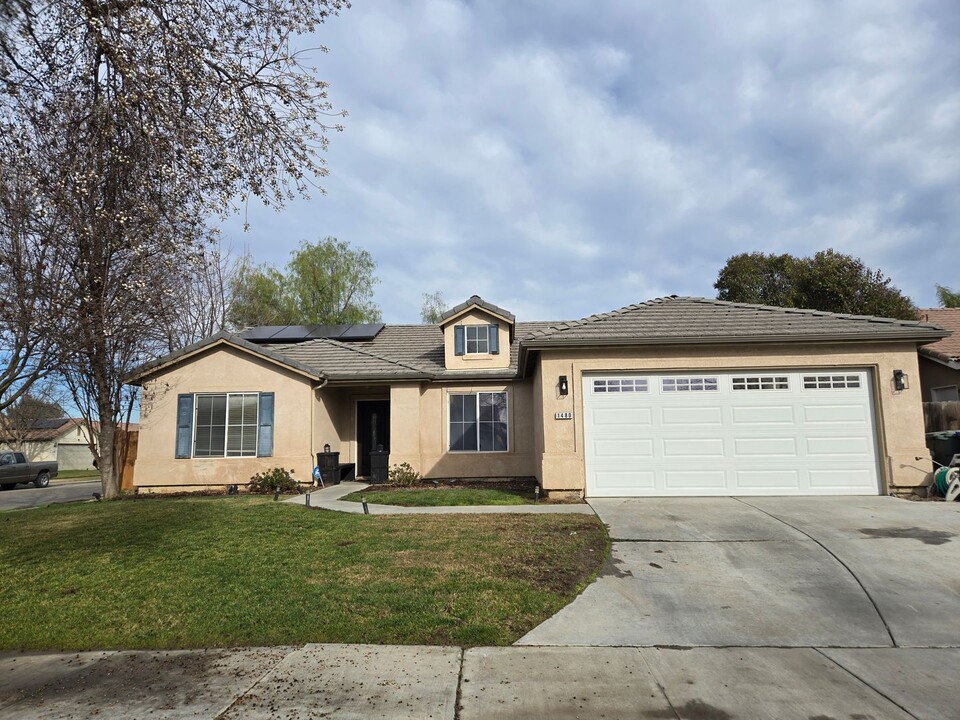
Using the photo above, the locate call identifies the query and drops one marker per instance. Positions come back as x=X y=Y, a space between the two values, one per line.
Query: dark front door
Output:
x=373 y=428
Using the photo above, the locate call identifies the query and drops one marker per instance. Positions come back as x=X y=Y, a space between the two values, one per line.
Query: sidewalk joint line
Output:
x=256 y=682
x=865 y=683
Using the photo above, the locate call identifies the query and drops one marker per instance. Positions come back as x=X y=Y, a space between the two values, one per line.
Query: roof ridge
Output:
x=811 y=311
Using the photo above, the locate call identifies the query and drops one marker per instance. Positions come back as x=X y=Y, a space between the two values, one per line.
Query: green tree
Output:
x=828 y=281
x=432 y=308
x=332 y=282
x=947 y=297
x=327 y=282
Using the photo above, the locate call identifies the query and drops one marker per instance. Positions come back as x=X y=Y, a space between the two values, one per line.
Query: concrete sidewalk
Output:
x=329 y=499
x=446 y=683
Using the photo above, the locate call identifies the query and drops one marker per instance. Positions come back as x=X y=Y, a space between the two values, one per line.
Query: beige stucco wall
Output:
x=899 y=414
x=476 y=316
x=419 y=430
x=222 y=369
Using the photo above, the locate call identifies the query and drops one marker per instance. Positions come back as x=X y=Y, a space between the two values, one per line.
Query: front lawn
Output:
x=432 y=497
x=207 y=572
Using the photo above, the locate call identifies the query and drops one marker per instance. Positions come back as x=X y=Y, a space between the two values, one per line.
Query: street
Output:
x=27 y=496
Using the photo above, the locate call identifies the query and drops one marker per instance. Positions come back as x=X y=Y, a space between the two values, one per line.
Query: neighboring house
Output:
x=64 y=440
x=940 y=361
x=61 y=439
x=676 y=396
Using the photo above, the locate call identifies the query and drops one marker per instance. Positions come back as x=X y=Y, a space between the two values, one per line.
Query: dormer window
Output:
x=477 y=339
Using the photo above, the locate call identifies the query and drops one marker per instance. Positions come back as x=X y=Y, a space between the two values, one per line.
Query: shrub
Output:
x=272 y=480
x=403 y=475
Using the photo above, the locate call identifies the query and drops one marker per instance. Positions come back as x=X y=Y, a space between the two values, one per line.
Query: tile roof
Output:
x=479 y=302
x=947 y=349
x=692 y=319
x=416 y=352
x=398 y=351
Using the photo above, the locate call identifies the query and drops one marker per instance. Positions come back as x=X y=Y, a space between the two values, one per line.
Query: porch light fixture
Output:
x=326 y=448
x=562 y=384
x=900 y=380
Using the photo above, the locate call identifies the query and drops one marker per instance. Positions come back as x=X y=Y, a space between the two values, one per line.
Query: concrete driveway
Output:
x=846 y=572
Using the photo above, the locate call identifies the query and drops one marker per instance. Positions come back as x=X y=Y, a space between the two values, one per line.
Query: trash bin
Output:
x=329 y=465
x=379 y=465
x=943 y=446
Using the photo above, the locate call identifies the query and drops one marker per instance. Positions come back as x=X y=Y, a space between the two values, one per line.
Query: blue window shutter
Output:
x=494 y=339
x=458 y=340
x=265 y=434
x=184 y=425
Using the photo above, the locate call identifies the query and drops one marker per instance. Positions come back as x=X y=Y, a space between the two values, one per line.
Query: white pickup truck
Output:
x=14 y=469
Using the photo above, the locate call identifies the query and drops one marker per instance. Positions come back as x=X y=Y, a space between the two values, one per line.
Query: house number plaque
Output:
x=563 y=416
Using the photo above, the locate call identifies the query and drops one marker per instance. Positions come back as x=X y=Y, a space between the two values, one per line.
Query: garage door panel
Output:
x=852 y=413
x=695 y=479
x=751 y=434
x=779 y=479
x=622 y=416
x=688 y=448
x=613 y=483
x=766 y=447
x=624 y=447
x=686 y=416
x=760 y=415
x=839 y=447
x=838 y=477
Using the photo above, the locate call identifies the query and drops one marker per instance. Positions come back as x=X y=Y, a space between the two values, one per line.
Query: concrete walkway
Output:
x=329 y=499
x=448 y=683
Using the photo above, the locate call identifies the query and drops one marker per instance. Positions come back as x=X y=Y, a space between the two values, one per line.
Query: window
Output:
x=830 y=382
x=478 y=338
x=948 y=393
x=761 y=382
x=620 y=385
x=695 y=384
x=478 y=422
x=226 y=425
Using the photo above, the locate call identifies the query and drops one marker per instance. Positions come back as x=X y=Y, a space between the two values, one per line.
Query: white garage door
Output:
x=730 y=433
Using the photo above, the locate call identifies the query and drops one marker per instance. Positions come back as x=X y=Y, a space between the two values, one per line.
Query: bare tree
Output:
x=135 y=121
x=199 y=309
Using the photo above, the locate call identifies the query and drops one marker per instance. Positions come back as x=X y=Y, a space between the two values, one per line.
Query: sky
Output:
x=562 y=158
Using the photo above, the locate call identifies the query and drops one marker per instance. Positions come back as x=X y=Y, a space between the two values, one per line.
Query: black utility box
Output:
x=379 y=466
x=329 y=464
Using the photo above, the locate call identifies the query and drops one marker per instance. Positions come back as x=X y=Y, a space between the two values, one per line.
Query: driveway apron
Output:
x=781 y=572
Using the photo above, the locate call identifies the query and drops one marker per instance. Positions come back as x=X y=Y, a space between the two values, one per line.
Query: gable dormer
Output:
x=476 y=336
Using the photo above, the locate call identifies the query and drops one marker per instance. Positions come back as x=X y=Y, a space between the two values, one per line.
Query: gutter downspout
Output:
x=313 y=420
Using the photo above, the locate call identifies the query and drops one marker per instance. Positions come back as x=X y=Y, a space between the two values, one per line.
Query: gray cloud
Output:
x=564 y=158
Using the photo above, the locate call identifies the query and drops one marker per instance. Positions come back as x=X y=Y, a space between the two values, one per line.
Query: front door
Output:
x=373 y=429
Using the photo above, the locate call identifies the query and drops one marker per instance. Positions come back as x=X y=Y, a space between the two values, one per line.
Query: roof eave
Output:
x=937 y=357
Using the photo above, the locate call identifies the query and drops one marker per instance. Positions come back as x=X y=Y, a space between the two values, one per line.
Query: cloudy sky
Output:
x=560 y=157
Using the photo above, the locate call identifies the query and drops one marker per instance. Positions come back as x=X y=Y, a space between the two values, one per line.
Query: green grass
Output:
x=215 y=572
x=78 y=475
x=432 y=497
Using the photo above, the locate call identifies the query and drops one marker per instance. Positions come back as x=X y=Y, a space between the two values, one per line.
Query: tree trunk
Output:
x=109 y=475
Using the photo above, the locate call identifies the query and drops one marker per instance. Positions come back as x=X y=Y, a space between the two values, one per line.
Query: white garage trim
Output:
x=744 y=432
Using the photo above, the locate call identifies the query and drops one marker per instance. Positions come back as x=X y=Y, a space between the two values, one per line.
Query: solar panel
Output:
x=299 y=333
x=49 y=424
x=361 y=332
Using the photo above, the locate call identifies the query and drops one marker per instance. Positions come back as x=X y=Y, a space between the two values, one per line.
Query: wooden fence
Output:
x=941 y=416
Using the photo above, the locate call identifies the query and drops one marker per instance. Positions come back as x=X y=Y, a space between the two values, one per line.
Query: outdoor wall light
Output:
x=900 y=380
x=562 y=384
x=326 y=448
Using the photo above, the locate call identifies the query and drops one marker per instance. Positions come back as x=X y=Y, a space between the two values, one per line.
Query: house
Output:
x=940 y=361
x=64 y=440
x=61 y=439
x=675 y=396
